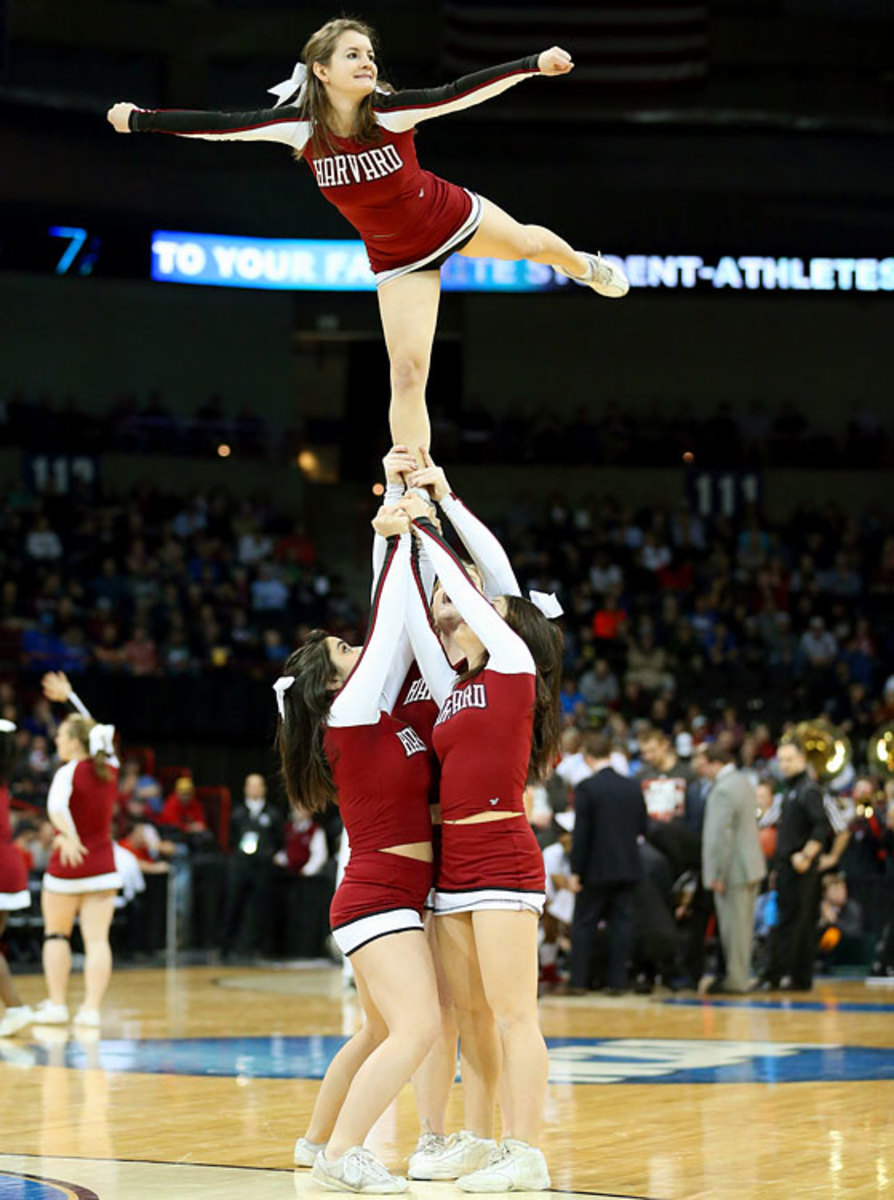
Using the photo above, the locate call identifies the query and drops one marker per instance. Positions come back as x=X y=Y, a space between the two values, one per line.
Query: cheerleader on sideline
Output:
x=335 y=703
x=14 y=892
x=498 y=727
x=80 y=880
x=358 y=136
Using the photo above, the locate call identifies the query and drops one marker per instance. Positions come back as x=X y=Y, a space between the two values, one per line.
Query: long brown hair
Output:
x=544 y=641
x=299 y=737
x=79 y=727
x=314 y=106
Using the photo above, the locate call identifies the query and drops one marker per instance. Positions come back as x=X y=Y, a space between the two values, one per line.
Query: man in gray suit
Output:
x=732 y=861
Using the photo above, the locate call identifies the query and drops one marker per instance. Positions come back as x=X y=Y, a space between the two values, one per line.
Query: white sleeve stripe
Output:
x=290 y=133
x=482 y=90
x=400 y=119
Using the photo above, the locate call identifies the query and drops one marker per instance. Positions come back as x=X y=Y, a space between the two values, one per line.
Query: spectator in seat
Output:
x=182 y=810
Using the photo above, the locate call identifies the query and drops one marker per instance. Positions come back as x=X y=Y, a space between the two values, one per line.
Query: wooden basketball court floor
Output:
x=202 y=1077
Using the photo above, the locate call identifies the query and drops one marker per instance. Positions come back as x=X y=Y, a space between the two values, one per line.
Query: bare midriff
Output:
x=481 y=817
x=418 y=850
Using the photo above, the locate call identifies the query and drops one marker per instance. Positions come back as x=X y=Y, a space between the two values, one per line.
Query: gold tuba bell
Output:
x=828 y=748
x=881 y=751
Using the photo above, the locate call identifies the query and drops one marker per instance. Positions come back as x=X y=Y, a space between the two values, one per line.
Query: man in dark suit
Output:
x=256 y=834
x=610 y=820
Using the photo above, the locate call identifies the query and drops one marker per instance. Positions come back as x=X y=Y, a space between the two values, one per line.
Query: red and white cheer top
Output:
x=406 y=216
x=82 y=802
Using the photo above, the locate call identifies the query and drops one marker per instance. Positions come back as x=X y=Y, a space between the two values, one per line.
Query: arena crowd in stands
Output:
x=748 y=436
x=668 y=616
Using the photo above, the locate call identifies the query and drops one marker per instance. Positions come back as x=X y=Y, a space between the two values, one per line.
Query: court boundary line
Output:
x=152 y=1162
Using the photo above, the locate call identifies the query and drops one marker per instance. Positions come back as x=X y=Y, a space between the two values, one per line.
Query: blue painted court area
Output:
x=830 y=1005
x=572 y=1060
x=23 y=1187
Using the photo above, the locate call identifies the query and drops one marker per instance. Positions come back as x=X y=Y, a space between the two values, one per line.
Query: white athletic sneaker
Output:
x=461 y=1154
x=306 y=1152
x=513 y=1167
x=48 y=1013
x=428 y=1148
x=88 y=1017
x=603 y=277
x=357 y=1170
x=15 y=1019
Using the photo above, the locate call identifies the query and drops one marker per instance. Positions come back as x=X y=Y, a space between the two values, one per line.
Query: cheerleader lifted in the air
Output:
x=357 y=135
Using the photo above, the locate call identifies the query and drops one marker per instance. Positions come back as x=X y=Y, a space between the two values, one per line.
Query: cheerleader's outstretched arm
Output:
x=372 y=686
x=506 y=650
x=261 y=125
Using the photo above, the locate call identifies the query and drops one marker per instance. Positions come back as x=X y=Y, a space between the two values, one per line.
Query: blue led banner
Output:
x=315 y=265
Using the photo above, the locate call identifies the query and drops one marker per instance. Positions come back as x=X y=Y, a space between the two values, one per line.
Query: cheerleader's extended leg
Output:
x=501 y=236
x=408 y=307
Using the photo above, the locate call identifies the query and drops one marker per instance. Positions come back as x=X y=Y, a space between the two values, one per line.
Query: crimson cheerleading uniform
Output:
x=13 y=873
x=415 y=704
x=78 y=800
x=408 y=218
x=380 y=767
x=483 y=741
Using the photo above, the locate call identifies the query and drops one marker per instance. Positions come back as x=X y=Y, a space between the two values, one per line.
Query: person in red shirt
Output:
x=357 y=134
x=13 y=885
x=183 y=809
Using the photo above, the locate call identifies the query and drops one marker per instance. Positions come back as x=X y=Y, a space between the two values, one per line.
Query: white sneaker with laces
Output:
x=88 y=1017
x=428 y=1148
x=602 y=276
x=48 y=1013
x=306 y=1152
x=357 y=1170
x=462 y=1153
x=15 y=1019
x=513 y=1167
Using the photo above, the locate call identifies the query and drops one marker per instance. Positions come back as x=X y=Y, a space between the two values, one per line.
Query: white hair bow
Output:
x=281 y=686
x=547 y=602
x=295 y=86
x=102 y=738
x=7 y=726
x=296 y=82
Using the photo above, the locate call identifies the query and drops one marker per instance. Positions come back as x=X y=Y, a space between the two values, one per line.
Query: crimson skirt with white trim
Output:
x=13 y=879
x=108 y=882
x=381 y=893
x=436 y=258
x=490 y=864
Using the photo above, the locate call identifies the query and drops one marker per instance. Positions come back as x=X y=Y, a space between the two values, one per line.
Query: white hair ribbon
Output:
x=102 y=738
x=7 y=726
x=281 y=686
x=547 y=602
x=296 y=82
x=295 y=86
